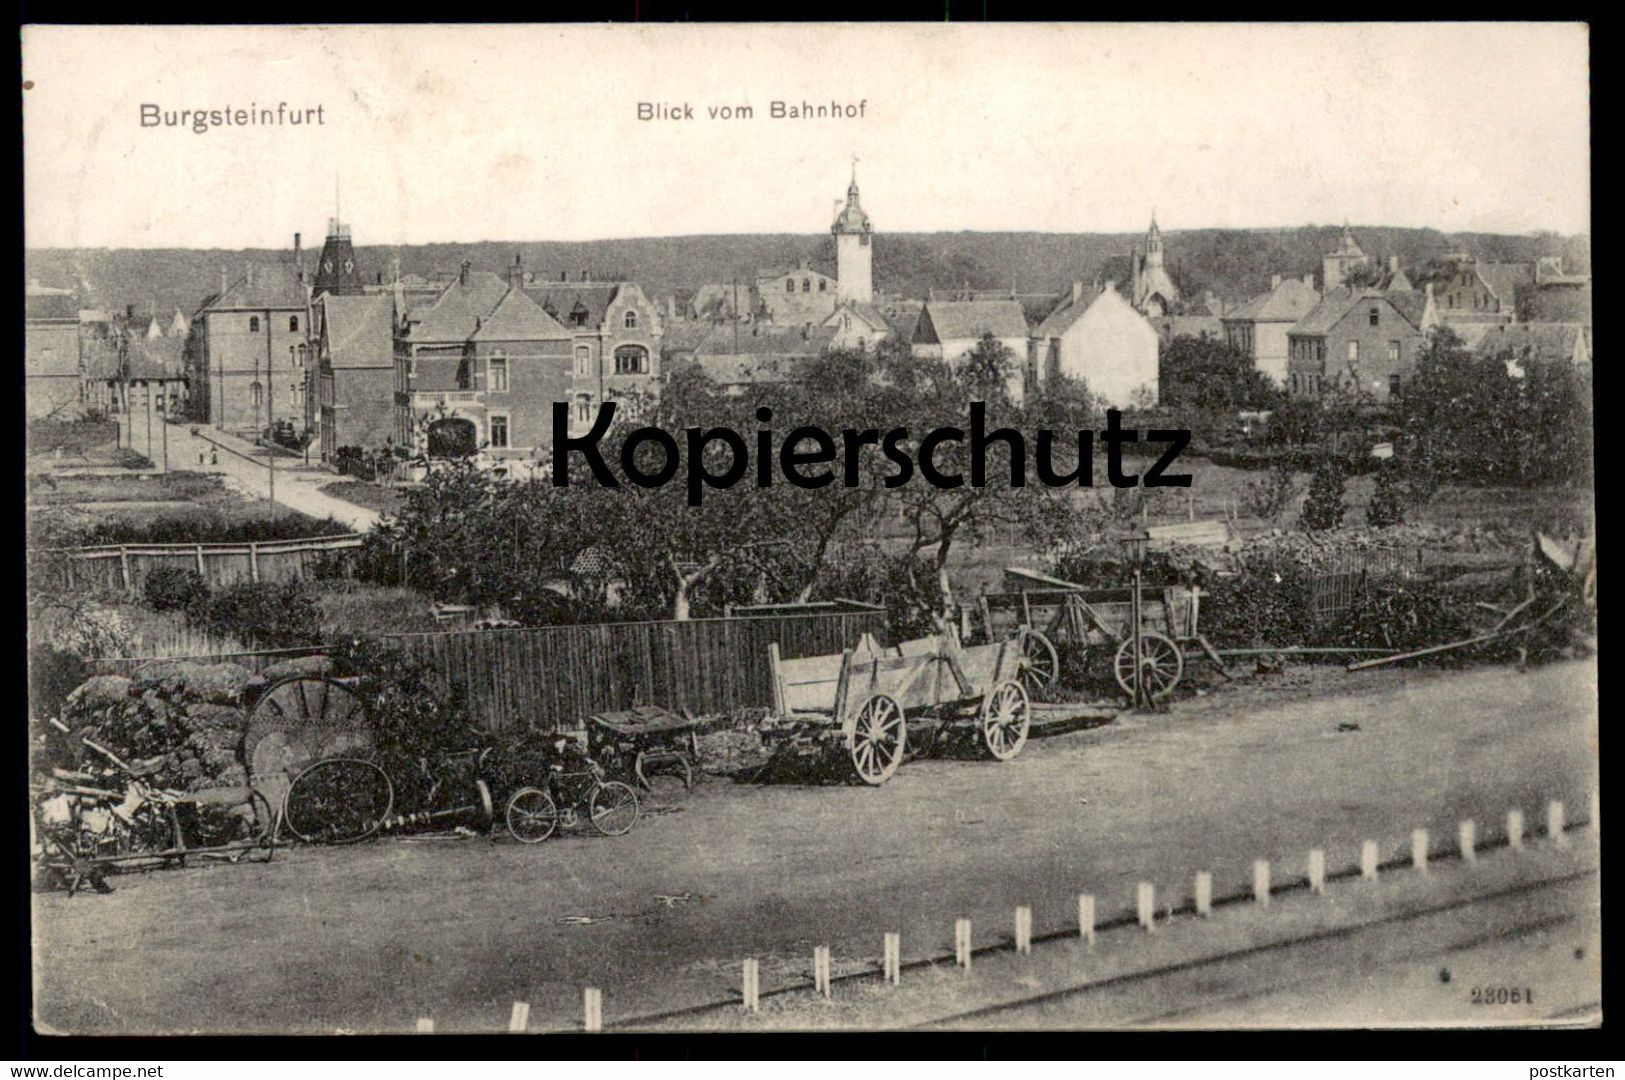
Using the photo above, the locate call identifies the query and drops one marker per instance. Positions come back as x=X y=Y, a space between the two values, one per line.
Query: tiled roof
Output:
x=868 y=312
x=1172 y=326
x=53 y=305
x=519 y=318
x=1287 y=302
x=765 y=342
x=687 y=335
x=454 y=314
x=1503 y=279
x=1412 y=304
x=562 y=299
x=904 y=316
x=1068 y=312
x=1472 y=333
x=360 y=330
x=1328 y=312
x=1544 y=341
x=747 y=368
x=274 y=286
x=956 y=320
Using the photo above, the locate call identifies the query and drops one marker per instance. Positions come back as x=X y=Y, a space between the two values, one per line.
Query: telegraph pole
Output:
x=270 y=406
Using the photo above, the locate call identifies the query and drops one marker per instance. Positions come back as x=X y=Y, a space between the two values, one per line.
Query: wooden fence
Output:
x=124 y=567
x=1336 y=590
x=554 y=677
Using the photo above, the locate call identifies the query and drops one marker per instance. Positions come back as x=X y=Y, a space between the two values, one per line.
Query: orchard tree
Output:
x=1324 y=507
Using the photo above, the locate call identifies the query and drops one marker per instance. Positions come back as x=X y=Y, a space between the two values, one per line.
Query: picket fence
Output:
x=124 y=567
x=1339 y=588
x=551 y=678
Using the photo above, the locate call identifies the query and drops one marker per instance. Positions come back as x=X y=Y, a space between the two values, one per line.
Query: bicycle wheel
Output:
x=338 y=801
x=531 y=815
x=613 y=808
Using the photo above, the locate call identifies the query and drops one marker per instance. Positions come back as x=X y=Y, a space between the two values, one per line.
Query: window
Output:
x=631 y=320
x=1354 y=351
x=256 y=394
x=293 y=323
x=584 y=408
x=583 y=360
x=499 y=432
x=823 y=285
x=790 y=285
x=1393 y=386
x=253 y=324
x=1393 y=352
x=497 y=378
x=631 y=360
x=1373 y=316
x=806 y=285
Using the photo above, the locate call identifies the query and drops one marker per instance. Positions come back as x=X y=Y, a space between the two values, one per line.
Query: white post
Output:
x=1261 y=882
x=750 y=987
x=1317 y=871
x=1419 y=850
x=1515 y=829
x=1204 y=893
x=1554 y=824
x=1146 y=903
x=821 y=970
x=520 y=1020
x=1368 y=860
x=1467 y=840
x=893 y=960
x=1024 y=930
x=1086 y=918
x=962 y=943
x=425 y=1025
x=592 y=1009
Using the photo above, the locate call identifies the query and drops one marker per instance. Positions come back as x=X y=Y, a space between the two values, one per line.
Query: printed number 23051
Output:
x=1502 y=995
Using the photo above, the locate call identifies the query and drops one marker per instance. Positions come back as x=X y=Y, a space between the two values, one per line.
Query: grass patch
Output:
x=352 y=609
x=385 y=500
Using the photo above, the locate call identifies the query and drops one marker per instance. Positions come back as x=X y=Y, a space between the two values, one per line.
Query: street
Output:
x=370 y=938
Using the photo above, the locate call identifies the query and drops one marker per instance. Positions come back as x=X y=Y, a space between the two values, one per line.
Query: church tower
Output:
x=1153 y=292
x=1335 y=266
x=336 y=272
x=854 y=252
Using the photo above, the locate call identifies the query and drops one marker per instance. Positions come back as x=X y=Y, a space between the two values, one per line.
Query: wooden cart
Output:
x=872 y=705
x=1104 y=619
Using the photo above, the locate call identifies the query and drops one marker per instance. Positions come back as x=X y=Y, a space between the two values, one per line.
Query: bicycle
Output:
x=577 y=783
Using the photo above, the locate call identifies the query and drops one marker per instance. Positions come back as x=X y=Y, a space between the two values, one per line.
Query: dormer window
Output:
x=1373 y=316
x=631 y=320
x=578 y=318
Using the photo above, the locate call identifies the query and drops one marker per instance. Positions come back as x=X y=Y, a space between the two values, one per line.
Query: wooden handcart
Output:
x=871 y=705
x=1103 y=619
x=633 y=742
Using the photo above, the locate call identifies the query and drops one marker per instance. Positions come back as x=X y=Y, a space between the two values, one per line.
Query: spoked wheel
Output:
x=311 y=701
x=877 y=739
x=1042 y=665
x=531 y=815
x=613 y=808
x=338 y=801
x=1161 y=665
x=1005 y=719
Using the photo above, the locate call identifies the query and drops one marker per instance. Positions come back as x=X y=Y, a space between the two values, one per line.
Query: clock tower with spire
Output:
x=336 y=272
x=854 y=252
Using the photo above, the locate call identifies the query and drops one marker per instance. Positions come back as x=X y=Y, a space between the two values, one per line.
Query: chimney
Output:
x=298 y=259
x=1275 y=282
x=222 y=281
x=516 y=274
x=1077 y=291
x=462 y=272
x=248 y=273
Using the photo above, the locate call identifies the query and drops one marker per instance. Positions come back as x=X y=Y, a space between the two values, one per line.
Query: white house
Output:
x=1099 y=337
x=948 y=329
x=857 y=324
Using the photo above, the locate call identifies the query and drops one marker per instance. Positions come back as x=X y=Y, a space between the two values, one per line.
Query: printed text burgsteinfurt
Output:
x=254 y=115
x=776 y=110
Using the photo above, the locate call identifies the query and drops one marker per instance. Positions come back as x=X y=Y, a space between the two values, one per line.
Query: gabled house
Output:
x=354 y=372
x=950 y=329
x=1362 y=341
x=1483 y=291
x=857 y=324
x=1258 y=328
x=1568 y=343
x=250 y=349
x=1099 y=337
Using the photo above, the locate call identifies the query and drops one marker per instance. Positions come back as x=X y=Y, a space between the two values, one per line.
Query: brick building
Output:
x=1362 y=341
x=249 y=349
x=1258 y=328
x=354 y=372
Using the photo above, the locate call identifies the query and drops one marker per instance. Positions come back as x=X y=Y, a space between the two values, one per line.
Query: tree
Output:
x=1363 y=275
x=1324 y=507
x=1212 y=380
x=1269 y=496
x=1387 y=505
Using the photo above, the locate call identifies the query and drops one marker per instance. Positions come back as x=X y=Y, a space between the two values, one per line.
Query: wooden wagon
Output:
x=873 y=705
x=1102 y=619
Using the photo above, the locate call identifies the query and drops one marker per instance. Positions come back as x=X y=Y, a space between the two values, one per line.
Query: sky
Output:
x=531 y=133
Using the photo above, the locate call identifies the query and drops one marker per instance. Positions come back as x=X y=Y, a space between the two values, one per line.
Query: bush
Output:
x=1387 y=505
x=1324 y=507
x=174 y=588
x=52 y=675
x=263 y=614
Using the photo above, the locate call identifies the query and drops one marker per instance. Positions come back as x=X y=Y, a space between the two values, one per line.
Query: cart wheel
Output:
x=1043 y=664
x=1005 y=718
x=531 y=815
x=484 y=809
x=613 y=808
x=338 y=801
x=1161 y=665
x=311 y=701
x=877 y=739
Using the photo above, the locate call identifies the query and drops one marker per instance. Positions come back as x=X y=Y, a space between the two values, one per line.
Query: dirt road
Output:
x=244 y=468
x=369 y=939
